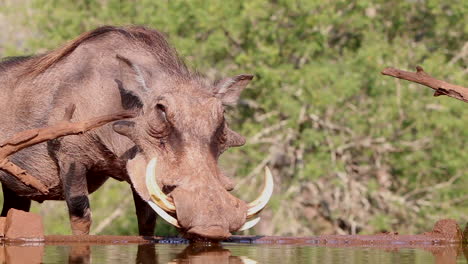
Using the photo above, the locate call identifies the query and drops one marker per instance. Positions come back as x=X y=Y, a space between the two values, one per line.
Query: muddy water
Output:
x=226 y=253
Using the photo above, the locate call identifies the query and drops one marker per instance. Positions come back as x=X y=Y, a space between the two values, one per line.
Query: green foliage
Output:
x=381 y=222
x=316 y=65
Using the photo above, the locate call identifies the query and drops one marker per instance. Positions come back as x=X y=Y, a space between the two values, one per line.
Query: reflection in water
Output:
x=16 y=254
x=146 y=254
x=227 y=253
x=79 y=254
x=209 y=253
x=445 y=255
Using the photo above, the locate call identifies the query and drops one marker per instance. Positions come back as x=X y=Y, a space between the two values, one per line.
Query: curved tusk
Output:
x=256 y=206
x=249 y=224
x=155 y=192
x=171 y=220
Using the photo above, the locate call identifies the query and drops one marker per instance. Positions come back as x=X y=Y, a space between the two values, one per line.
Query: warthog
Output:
x=168 y=153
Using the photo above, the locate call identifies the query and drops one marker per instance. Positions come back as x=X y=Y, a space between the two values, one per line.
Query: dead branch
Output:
x=31 y=137
x=431 y=188
x=322 y=123
x=115 y=214
x=264 y=132
x=421 y=77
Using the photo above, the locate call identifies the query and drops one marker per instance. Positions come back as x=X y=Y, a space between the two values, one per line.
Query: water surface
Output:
x=226 y=253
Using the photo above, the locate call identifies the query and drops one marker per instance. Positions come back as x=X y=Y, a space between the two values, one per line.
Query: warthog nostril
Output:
x=168 y=188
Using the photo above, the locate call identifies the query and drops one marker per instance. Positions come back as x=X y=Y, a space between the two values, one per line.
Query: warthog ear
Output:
x=130 y=100
x=132 y=85
x=234 y=139
x=229 y=90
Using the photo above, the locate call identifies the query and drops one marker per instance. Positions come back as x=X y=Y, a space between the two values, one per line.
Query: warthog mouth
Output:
x=165 y=207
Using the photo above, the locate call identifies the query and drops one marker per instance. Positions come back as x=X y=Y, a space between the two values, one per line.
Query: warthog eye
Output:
x=222 y=137
x=220 y=133
x=162 y=111
x=159 y=126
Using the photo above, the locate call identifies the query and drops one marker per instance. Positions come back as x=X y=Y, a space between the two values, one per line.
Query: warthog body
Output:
x=180 y=121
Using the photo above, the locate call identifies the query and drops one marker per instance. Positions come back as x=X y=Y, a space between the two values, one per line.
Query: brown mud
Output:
x=444 y=232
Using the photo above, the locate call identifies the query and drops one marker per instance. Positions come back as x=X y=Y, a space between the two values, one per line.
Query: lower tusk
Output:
x=249 y=224
x=171 y=220
x=156 y=194
x=256 y=206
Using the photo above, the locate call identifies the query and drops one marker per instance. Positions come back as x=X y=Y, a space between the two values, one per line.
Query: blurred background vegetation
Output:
x=352 y=151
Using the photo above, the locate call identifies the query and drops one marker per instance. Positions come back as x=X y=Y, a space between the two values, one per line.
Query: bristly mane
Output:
x=152 y=40
x=8 y=62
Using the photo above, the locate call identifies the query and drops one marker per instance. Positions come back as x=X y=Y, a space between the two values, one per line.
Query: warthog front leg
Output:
x=76 y=195
x=146 y=216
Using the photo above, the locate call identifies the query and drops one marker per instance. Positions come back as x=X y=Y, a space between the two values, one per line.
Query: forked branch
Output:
x=421 y=77
x=31 y=137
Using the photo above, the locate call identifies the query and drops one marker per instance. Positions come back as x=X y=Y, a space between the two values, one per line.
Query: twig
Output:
x=454 y=201
x=264 y=132
x=231 y=39
x=108 y=220
x=31 y=137
x=462 y=54
x=414 y=192
x=421 y=77
x=23 y=176
x=257 y=170
x=329 y=125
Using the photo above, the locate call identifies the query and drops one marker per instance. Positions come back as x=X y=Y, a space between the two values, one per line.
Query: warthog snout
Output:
x=206 y=210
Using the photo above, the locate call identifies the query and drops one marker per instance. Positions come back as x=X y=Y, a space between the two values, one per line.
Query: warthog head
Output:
x=179 y=134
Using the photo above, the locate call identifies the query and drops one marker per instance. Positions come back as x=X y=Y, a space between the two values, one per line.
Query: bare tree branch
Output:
x=31 y=137
x=115 y=214
x=421 y=77
x=22 y=175
x=431 y=188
